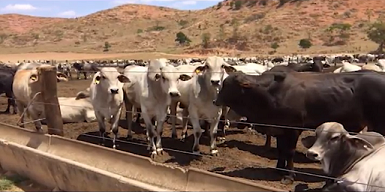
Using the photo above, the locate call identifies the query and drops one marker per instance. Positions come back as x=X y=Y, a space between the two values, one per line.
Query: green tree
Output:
x=231 y=4
x=107 y=46
x=274 y=46
x=219 y=5
x=376 y=33
x=305 y=43
x=182 y=39
x=222 y=33
x=238 y=5
x=206 y=38
x=3 y=37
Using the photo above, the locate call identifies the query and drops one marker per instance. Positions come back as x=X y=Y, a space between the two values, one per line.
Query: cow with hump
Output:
x=289 y=98
x=27 y=88
x=152 y=89
x=107 y=99
x=197 y=95
x=356 y=161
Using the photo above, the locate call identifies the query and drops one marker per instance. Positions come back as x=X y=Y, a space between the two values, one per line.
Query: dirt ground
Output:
x=241 y=155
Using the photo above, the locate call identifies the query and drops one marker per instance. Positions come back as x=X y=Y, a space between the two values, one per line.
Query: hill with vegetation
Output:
x=250 y=26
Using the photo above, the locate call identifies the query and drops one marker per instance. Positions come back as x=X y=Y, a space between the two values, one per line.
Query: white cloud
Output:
x=18 y=7
x=189 y=2
x=69 y=13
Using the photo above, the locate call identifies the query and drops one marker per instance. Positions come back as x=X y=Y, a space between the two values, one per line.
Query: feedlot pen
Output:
x=241 y=155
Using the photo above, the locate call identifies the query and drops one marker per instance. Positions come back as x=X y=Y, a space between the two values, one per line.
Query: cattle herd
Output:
x=334 y=95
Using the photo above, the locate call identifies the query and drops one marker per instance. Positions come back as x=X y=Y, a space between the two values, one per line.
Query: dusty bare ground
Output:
x=242 y=154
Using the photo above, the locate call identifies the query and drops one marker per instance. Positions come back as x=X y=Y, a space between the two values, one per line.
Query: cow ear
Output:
x=279 y=77
x=308 y=141
x=123 y=79
x=33 y=78
x=97 y=79
x=229 y=68
x=200 y=69
x=184 y=77
x=359 y=143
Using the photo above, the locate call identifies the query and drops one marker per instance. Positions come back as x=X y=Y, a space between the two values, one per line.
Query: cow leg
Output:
x=290 y=143
x=78 y=74
x=129 y=111
x=20 y=110
x=7 y=111
x=150 y=132
x=102 y=126
x=85 y=75
x=184 y=124
x=213 y=135
x=137 y=115
x=160 y=118
x=115 y=126
x=268 y=142
x=226 y=124
x=281 y=163
x=173 y=119
x=194 y=118
x=13 y=103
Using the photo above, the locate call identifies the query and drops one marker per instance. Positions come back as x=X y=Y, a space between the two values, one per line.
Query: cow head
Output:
x=167 y=75
x=336 y=148
x=215 y=70
x=110 y=80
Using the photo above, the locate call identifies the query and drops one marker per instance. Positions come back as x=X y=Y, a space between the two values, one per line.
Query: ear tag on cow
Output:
x=97 y=81
x=33 y=78
x=197 y=71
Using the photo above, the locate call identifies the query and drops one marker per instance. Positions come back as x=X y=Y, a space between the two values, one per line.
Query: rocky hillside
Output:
x=249 y=25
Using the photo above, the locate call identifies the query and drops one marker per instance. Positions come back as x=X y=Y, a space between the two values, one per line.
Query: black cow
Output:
x=277 y=60
x=6 y=81
x=85 y=68
x=354 y=99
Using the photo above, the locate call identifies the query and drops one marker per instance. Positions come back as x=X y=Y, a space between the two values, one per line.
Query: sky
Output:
x=77 y=8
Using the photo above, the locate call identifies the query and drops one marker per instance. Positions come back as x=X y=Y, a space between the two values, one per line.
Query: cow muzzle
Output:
x=215 y=83
x=114 y=91
x=174 y=94
x=313 y=155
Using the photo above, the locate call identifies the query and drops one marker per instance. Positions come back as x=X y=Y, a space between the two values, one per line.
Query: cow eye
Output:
x=333 y=139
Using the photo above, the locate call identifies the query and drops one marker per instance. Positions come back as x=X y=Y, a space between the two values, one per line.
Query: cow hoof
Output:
x=114 y=146
x=214 y=152
x=159 y=151
x=153 y=154
x=221 y=140
x=183 y=139
x=287 y=180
